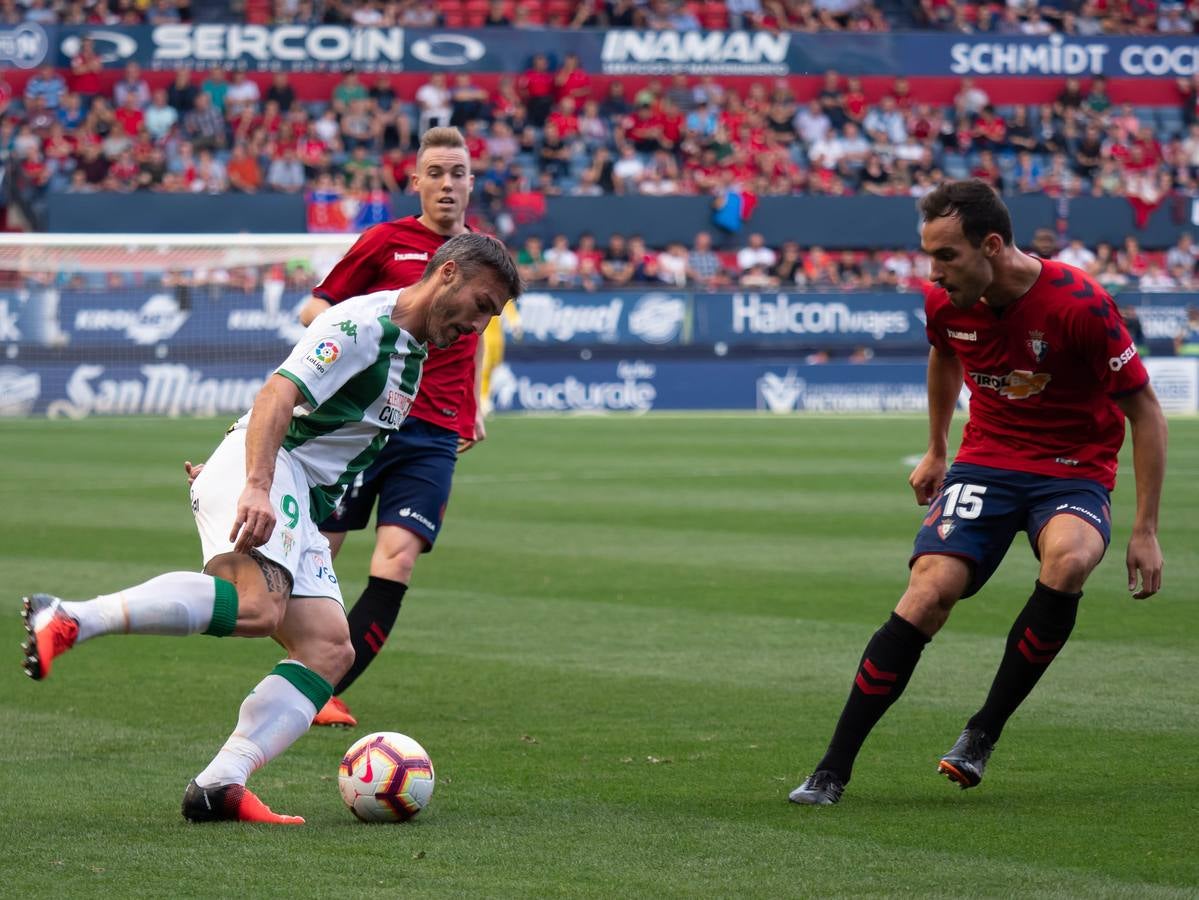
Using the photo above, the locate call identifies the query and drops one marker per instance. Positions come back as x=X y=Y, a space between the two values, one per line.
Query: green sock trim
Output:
x=224 y=609
x=306 y=681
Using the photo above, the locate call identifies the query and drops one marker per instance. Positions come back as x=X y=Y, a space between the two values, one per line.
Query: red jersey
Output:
x=394 y=255
x=1042 y=373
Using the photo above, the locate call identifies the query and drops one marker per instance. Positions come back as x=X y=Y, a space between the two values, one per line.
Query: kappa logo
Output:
x=1037 y=345
x=412 y=257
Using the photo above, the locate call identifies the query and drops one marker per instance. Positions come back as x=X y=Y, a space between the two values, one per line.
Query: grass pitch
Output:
x=633 y=640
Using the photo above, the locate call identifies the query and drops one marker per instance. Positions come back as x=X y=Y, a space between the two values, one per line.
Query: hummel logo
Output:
x=405 y=257
x=963 y=335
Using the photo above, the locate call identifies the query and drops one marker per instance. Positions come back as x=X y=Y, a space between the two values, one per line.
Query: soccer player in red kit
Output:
x=1053 y=374
x=412 y=476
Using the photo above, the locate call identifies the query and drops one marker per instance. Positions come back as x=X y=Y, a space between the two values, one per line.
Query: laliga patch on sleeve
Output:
x=322 y=356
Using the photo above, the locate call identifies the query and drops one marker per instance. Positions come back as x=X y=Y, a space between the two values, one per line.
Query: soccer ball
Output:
x=386 y=777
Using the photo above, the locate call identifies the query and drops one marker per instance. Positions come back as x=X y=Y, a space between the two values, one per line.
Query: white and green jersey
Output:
x=359 y=373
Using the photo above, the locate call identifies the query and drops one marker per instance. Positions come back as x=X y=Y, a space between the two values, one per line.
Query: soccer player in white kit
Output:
x=318 y=421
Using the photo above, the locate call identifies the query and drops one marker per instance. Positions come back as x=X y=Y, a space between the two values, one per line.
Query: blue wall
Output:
x=861 y=222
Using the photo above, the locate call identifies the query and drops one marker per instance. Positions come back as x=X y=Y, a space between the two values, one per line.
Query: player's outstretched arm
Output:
x=269 y=418
x=944 y=386
x=1144 y=557
x=312 y=308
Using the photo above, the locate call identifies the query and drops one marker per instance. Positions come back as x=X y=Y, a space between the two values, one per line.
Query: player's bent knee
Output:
x=1068 y=569
x=396 y=552
x=330 y=659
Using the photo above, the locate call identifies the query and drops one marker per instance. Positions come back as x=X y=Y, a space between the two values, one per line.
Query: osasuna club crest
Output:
x=1037 y=345
x=945 y=529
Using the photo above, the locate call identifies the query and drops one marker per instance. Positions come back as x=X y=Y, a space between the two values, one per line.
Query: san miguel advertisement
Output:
x=332 y=48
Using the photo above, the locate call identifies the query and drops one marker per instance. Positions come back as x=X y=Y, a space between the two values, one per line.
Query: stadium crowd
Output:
x=545 y=131
x=1033 y=17
x=550 y=131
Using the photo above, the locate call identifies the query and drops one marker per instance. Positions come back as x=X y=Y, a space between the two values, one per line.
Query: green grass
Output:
x=633 y=640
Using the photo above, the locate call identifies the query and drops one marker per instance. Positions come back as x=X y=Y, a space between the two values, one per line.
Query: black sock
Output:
x=1038 y=634
x=883 y=673
x=370 y=624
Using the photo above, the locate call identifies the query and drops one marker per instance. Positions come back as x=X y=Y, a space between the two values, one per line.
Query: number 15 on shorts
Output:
x=964 y=501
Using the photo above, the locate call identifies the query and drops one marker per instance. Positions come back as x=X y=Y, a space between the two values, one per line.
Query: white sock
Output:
x=272 y=718
x=178 y=603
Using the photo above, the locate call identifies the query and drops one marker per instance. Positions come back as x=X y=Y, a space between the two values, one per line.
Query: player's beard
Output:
x=440 y=330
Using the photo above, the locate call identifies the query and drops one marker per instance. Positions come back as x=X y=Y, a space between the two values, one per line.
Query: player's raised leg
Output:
x=887 y=664
x=1069 y=548
x=276 y=713
x=178 y=603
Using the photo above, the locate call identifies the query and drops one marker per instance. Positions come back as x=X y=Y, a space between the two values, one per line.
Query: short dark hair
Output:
x=472 y=251
x=975 y=203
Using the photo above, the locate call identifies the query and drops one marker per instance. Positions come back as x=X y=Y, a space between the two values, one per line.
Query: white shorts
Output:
x=296 y=544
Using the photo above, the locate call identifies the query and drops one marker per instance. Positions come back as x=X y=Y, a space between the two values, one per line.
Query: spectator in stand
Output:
x=243 y=95
x=853 y=147
x=812 y=123
x=703 y=266
x=561 y=264
x=243 y=171
x=885 y=123
x=183 y=92
x=538 y=90
x=1131 y=258
x=530 y=261
x=554 y=155
x=755 y=253
x=970 y=98
x=216 y=87
x=86 y=67
x=38 y=117
x=661 y=176
x=286 y=173
x=832 y=99
x=616 y=267
x=47 y=85
x=627 y=171
x=468 y=101
x=1181 y=258
x=132 y=85
x=645 y=263
x=788 y=269
x=672 y=265
x=434 y=102
x=281 y=92
x=71 y=113
x=1156 y=279
x=594 y=130
x=571 y=81
x=1076 y=254
x=129 y=115
x=603 y=170
x=1028 y=174
x=160 y=117
x=210 y=176
x=874 y=178
x=204 y=126
x=851 y=276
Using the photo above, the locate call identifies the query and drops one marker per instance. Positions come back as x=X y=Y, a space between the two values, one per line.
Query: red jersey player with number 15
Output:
x=1052 y=373
x=411 y=477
